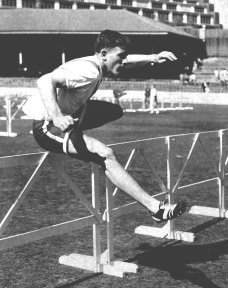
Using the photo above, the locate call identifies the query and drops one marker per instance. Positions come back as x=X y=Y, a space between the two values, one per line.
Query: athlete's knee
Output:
x=108 y=153
x=82 y=152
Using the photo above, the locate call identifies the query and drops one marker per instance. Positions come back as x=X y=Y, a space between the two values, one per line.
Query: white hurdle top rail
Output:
x=105 y=262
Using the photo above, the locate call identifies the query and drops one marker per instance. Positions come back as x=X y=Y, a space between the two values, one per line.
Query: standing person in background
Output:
x=217 y=74
x=147 y=97
x=117 y=93
x=153 y=100
x=65 y=111
x=223 y=76
x=205 y=87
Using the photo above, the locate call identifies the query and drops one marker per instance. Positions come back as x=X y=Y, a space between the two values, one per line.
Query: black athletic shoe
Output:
x=168 y=211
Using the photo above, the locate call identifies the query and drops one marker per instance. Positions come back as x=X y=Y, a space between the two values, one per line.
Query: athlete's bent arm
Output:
x=47 y=85
x=134 y=60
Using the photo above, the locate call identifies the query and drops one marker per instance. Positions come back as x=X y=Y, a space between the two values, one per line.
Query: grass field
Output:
x=162 y=263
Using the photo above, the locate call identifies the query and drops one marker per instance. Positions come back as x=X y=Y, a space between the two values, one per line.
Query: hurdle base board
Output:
x=143 y=110
x=130 y=110
x=158 y=110
x=163 y=233
x=175 y=108
x=25 y=117
x=6 y=134
x=115 y=268
x=207 y=211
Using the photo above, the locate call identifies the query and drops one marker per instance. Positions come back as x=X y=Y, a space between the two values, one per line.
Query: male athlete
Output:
x=66 y=111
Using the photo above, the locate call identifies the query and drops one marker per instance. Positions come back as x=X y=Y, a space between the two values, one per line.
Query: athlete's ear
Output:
x=104 y=53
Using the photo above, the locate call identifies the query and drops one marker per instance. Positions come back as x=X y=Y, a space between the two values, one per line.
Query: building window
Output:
x=28 y=3
x=163 y=16
x=205 y=20
x=100 y=7
x=177 y=18
x=112 y=2
x=127 y=2
x=192 y=19
x=82 y=5
x=178 y=1
x=47 y=5
x=191 y=2
x=148 y=13
x=65 y=5
x=9 y=3
x=157 y=5
x=199 y=9
x=171 y=7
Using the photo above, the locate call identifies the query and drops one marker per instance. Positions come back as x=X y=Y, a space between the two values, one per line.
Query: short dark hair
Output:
x=111 y=39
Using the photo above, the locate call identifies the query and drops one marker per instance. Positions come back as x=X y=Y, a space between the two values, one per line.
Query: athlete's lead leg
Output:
x=123 y=180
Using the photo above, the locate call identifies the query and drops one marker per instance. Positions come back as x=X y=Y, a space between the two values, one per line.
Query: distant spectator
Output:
x=117 y=93
x=147 y=96
x=199 y=63
x=192 y=78
x=181 y=77
x=205 y=87
x=217 y=74
x=194 y=67
x=184 y=78
x=223 y=76
x=187 y=70
x=153 y=100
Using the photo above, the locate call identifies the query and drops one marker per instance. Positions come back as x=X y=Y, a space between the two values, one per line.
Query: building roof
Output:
x=66 y=21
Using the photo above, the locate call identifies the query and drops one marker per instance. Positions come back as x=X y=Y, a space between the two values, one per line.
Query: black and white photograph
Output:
x=113 y=143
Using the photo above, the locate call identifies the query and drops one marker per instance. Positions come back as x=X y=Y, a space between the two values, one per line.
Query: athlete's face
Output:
x=113 y=59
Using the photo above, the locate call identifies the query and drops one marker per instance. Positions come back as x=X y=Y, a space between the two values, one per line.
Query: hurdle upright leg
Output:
x=9 y=118
x=87 y=262
x=170 y=183
x=96 y=226
x=8 y=132
x=111 y=266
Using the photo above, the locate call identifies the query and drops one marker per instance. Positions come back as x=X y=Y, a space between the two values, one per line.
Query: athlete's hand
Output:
x=63 y=122
x=164 y=56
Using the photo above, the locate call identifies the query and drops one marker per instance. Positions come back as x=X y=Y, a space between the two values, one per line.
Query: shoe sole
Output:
x=178 y=211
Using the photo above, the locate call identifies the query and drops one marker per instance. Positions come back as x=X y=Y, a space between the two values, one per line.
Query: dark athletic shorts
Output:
x=98 y=113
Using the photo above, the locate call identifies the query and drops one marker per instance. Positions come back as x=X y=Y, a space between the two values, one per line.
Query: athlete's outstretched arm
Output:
x=134 y=60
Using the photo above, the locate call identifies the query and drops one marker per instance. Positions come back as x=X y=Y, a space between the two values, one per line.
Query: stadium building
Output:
x=41 y=34
x=196 y=13
x=35 y=41
x=221 y=6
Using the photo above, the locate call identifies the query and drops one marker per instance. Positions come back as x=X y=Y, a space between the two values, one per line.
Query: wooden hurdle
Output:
x=98 y=262
x=168 y=230
x=10 y=102
x=105 y=262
